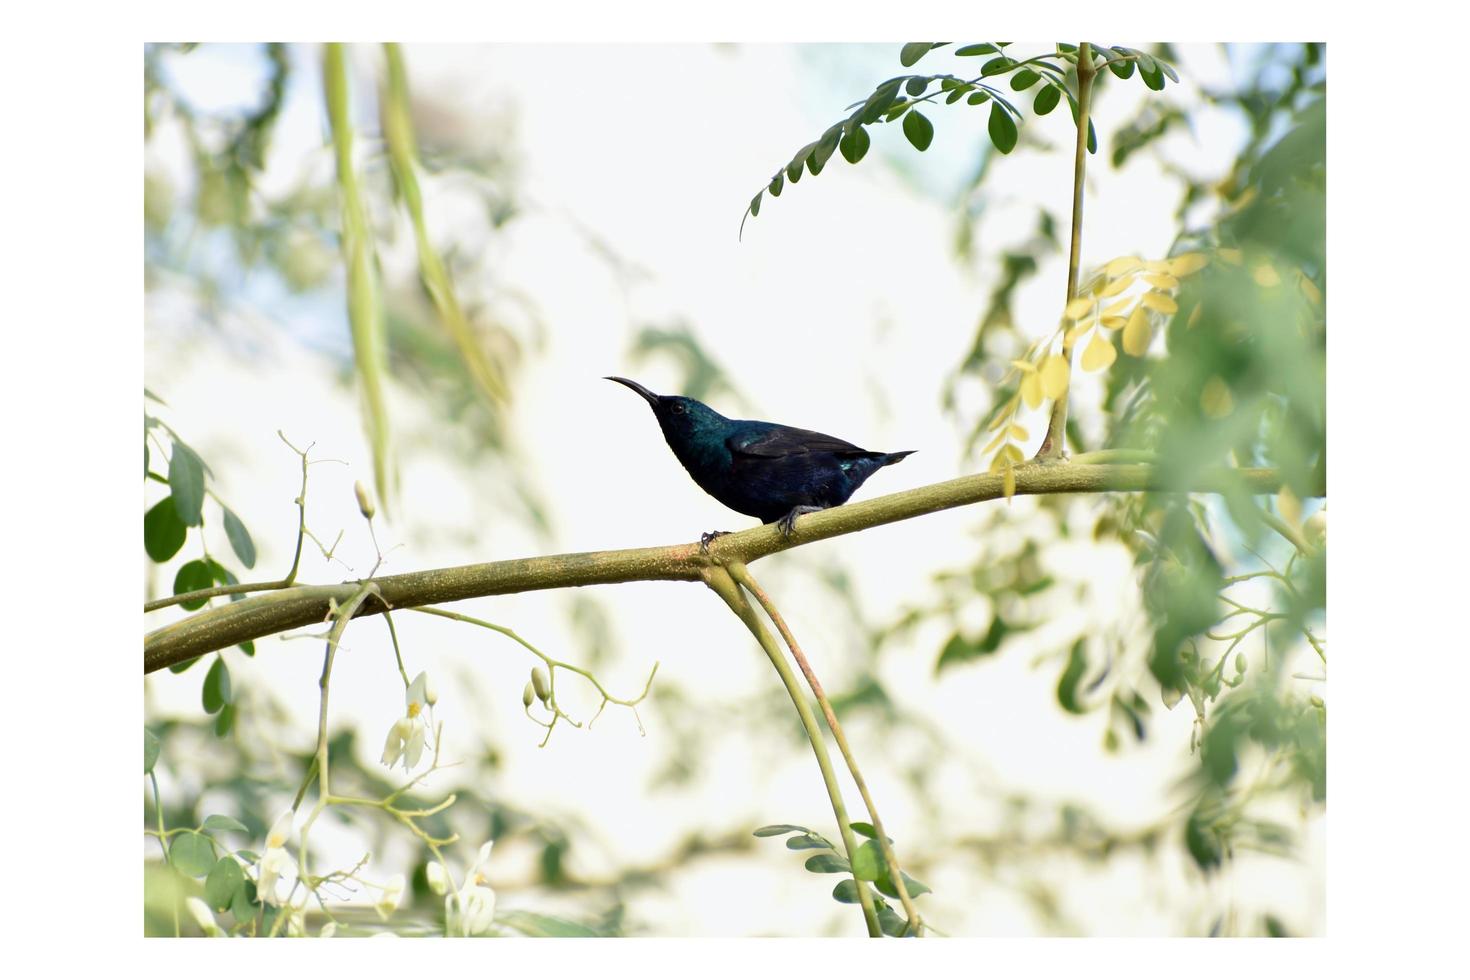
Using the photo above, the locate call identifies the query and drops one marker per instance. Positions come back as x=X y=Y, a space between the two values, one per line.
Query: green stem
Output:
x=720 y=580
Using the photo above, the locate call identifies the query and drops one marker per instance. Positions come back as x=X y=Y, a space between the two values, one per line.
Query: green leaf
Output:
x=1123 y=69
x=182 y=665
x=777 y=829
x=916 y=85
x=239 y=539
x=915 y=50
x=977 y=97
x=918 y=129
x=755 y=204
x=1167 y=69
x=1153 y=79
x=1024 y=79
x=248 y=647
x=151 y=747
x=879 y=102
x=867 y=861
x=1002 y=129
x=192 y=854
x=915 y=887
x=846 y=892
x=1046 y=100
x=827 y=864
x=244 y=906
x=798 y=162
x=855 y=144
x=218 y=821
x=217 y=693
x=1091 y=137
x=544 y=926
x=864 y=828
x=163 y=532
x=777 y=182
x=807 y=842
x=824 y=149
x=186 y=481
x=224 y=721
x=1203 y=842
x=192 y=576
x=1071 y=677
x=970 y=50
x=224 y=881
x=996 y=66
x=891 y=922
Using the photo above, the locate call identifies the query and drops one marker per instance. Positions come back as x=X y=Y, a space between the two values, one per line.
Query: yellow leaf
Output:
x=1019 y=432
x=1004 y=414
x=1099 y=353
x=1013 y=453
x=1000 y=437
x=1009 y=484
x=1156 y=265
x=1215 y=400
x=1119 y=266
x=1075 y=334
x=1161 y=281
x=1265 y=275
x=1118 y=307
x=1187 y=264
x=1054 y=376
x=1112 y=322
x=1138 y=334
x=1314 y=295
x=1289 y=507
x=1031 y=390
x=998 y=463
x=1231 y=255
x=1160 y=302
x=1077 y=309
x=1026 y=366
x=1115 y=287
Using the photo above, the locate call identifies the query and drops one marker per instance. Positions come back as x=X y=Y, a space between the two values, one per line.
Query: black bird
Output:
x=769 y=471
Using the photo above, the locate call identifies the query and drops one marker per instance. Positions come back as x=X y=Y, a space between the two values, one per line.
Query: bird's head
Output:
x=679 y=417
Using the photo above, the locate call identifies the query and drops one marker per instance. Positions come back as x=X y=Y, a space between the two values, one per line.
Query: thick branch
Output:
x=264 y=615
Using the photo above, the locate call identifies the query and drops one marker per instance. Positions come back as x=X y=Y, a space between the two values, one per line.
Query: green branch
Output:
x=264 y=615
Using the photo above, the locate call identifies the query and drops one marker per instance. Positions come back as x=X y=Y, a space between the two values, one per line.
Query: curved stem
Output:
x=720 y=580
x=742 y=575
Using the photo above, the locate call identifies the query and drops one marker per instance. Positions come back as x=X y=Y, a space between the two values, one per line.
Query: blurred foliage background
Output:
x=409 y=273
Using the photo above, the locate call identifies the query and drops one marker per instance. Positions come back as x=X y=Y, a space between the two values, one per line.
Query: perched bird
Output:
x=769 y=471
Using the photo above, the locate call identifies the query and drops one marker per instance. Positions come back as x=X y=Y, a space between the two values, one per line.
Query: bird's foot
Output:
x=707 y=537
x=787 y=524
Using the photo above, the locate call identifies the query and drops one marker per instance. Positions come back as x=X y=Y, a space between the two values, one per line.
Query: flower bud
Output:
x=364 y=500
x=528 y=696
x=1240 y=663
x=542 y=683
x=437 y=878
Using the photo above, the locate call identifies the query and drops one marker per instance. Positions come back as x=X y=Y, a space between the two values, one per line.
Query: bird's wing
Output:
x=783 y=440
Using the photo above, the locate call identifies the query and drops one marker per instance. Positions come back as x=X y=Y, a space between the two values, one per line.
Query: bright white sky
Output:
x=842 y=310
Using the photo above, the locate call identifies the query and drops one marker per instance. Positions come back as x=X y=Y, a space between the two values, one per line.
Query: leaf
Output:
x=823 y=864
x=1138 y=333
x=191 y=577
x=855 y=144
x=867 y=861
x=777 y=829
x=916 y=85
x=544 y=926
x=755 y=204
x=244 y=906
x=163 y=532
x=218 y=821
x=1159 y=301
x=247 y=647
x=1008 y=484
x=977 y=97
x=1078 y=307
x=866 y=829
x=798 y=162
x=918 y=129
x=996 y=65
x=224 y=721
x=225 y=879
x=182 y=666
x=1031 y=390
x=892 y=923
x=846 y=892
x=1024 y=79
x=806 y=842
x=1162 y=281
x=777 y=182
x=915 y=887
x=1187 y=264
x=1099 y=353
x=1002 y=129
x=1122 y=265
x=1054 y=376
x=186 y=481
x=879 y=102
x=1071 y=676
x=151 y=747
x=914 y=50
x=239 y=539
x=192 y=854
x=970 y=50
x=1154 y=78
x=216 y=693
x=1046 y=100
x=824 y=149
x=1123 y=69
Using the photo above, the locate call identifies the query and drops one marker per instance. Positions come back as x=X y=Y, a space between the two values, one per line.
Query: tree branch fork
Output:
x=273 y=612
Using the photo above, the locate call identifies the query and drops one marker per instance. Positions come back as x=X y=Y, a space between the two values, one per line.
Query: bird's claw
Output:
x=787 y=524
x=707 y=537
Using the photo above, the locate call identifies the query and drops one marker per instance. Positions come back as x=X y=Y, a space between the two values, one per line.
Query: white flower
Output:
x=471 y=910
x=406 y=737
x=392 y=895
x=438 y=878
x=203 y=916
x=275 y=863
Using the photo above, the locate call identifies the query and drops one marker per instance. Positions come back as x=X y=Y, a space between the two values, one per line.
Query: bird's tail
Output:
x=890 y=458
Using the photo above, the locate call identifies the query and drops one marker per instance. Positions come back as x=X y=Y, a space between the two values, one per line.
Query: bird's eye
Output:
x=677 y=409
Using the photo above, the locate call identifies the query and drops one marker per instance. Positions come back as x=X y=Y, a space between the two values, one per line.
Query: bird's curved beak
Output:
x=648 y=396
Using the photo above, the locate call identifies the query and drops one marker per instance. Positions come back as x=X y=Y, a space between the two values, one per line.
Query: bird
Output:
x=768 y=471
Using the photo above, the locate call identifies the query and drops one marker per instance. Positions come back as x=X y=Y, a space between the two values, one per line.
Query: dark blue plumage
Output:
x=769 y=471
